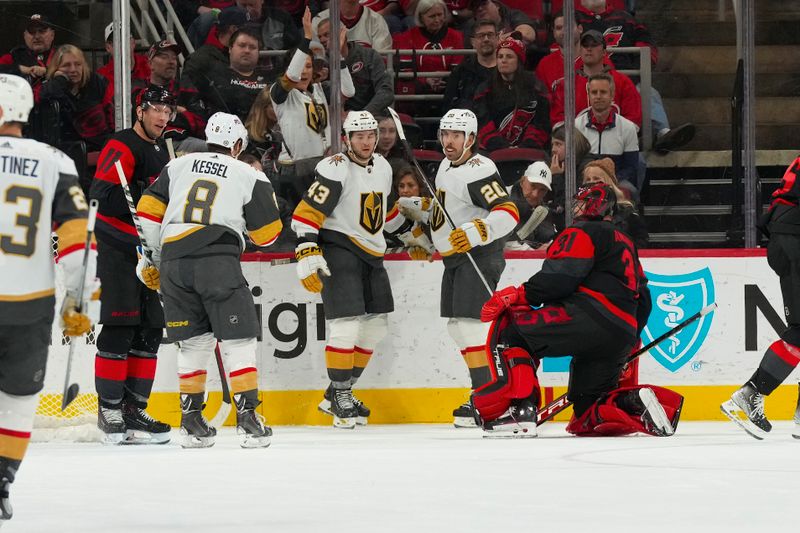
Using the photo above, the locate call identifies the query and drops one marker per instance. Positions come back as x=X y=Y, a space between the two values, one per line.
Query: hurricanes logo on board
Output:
x=437 y=215
x=371 y=218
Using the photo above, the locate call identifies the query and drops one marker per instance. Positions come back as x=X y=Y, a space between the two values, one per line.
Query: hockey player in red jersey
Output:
x=781 y=224
x=589 y=300
x=40 y=191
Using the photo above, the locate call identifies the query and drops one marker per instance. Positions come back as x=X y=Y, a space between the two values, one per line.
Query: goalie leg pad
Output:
x=613 y=415
x=515 y=373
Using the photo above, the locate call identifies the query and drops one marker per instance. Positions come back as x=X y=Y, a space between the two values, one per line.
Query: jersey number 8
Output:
x=199 y=202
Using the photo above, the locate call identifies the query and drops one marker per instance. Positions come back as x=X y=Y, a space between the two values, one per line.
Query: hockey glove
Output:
x=76 y=323
x=418 y=253
x=147 y=272
x=311 y=266
x=470 y=235
x=420 y=246
x=502 y=300
x=415 y=208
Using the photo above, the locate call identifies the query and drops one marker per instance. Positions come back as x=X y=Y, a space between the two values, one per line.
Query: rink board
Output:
x=418 y=375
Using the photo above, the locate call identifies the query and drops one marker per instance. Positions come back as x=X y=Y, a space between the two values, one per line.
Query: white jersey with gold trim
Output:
x=469 y=191
x=307 y=113
x=350 y=199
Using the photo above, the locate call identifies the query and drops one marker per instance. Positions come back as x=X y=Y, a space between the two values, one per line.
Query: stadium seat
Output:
x=512 y=162
x=412 y=130
x=429 y=161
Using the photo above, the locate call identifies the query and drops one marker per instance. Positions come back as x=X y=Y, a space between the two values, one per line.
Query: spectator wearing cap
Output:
x=512 y=108
x=593 y=60
x=534 y=189
x=233 y=88
x=364 y=26
x=620 y=28
x=464 y=79
x=140 y=67
x=214 y=50
x=373 y=84
x=507 y=19
x=189 y=10
x=609 y=133
x=190 y=117
x=31 y=59
x=86 y=112
x=430 y=33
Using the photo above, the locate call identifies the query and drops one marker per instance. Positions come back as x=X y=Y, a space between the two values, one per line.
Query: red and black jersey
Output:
x=596 y=266
x=24 y=56
x=142 y=162
x=619 y=29
x=783 y=215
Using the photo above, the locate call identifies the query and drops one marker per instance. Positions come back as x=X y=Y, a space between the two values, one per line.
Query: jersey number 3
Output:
x=199 y=202
x=28 y=221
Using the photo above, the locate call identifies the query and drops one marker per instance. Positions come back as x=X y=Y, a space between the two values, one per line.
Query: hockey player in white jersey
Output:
x=39 y=190
x=472 y=193
x=195 y=214
x=339 y=225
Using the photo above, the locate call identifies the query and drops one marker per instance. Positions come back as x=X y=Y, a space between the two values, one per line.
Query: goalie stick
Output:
x=536 y=218
x=410 y=152
x=71 y=390
x=559 y=404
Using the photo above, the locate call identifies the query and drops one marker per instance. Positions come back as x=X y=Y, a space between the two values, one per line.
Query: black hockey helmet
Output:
x=154 y=94
x=594 y=202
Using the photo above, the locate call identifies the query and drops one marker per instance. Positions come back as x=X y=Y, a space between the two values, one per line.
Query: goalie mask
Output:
x=594 y=202
x=359 y=121
x=462 y=120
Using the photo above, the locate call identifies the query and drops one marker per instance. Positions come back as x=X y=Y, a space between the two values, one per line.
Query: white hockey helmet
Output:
x=359 y=121
x=16 y=99
x=460 y=120
x=224 y=129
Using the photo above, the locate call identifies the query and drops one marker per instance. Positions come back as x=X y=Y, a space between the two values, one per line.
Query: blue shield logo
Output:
x=675 y=298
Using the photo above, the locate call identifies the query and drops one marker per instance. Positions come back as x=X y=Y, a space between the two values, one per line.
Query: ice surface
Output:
x=709 y=477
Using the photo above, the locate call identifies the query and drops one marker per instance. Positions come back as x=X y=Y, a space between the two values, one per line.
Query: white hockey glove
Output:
x=311 y=266
x=146 y=271
x=470 y=235
x=415 y=208
x=420 y=247
x=74 y=323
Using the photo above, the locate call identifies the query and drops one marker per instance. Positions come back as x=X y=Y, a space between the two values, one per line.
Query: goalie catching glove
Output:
x=76 y=323
x=470 y=235
x=502 y=300
x=415 y=208
x=310 y=266
x=147 y=272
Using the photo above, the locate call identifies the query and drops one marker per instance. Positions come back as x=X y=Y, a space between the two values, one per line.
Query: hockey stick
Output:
x=559 y=404
x=126 y=190
x=71 y=390
x=170 y=148
x=536 y=218
x=290 y=260
x=401 y=133
x=225 y=406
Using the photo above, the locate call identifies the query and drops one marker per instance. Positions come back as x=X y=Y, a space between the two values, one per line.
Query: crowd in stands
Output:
x=511 y=76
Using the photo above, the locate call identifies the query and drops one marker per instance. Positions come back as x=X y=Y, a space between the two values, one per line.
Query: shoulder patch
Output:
x=475 y=162
x=336 y=160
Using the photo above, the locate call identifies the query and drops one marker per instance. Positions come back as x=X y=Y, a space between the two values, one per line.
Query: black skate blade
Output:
x=746 y=425
x=69 y=396
x=136 y=438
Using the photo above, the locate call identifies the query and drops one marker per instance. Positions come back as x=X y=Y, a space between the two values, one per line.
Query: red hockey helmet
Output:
x=594 y=202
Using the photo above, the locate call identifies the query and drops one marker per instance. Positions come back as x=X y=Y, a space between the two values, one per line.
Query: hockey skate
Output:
x=796 y=430
x=519 y=421
x=644 y=404
x=746 y=410
x=7 y=473
x=363 y=410
x=250 y=425
x=464 y=416
x=112 y=424
x=343 y=409
x=195 y=431
x=141 y=427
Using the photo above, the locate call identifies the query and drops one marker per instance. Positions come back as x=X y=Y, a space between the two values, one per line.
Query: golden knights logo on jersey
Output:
x=371 y=216
x=437 y=215
x=316 y=117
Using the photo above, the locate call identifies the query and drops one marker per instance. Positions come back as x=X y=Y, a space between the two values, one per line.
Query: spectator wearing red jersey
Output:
x=551 y=67
x=620 y=28
x=31 y=60
x=593 y=60
x=512 y=109
x=430 y=33
x=140 y=67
